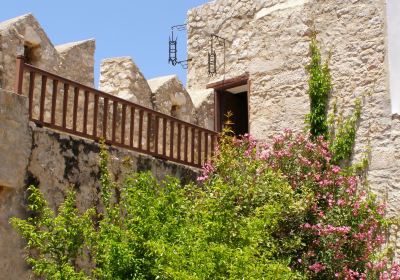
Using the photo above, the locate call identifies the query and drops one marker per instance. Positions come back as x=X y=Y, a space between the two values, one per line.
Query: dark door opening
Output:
x=237 y=105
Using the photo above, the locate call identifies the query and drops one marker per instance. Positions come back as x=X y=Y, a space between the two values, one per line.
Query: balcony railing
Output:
x=74 y=108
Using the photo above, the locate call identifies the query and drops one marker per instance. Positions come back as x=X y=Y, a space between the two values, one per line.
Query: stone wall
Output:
x=203 y=101
x=55 y=162
x=391 y=176
x=17 y=33
x=270 y=41
x=15 y=136
x=77 y=61
x=59 y=161
x=121 y=77
x=171 y=98
x=74 y=60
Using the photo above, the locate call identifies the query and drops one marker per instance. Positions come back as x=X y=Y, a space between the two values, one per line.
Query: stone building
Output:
x=56 y=161
x=261 y=49
x=261 y=52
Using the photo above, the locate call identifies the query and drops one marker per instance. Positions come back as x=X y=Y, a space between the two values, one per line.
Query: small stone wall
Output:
x=15 y=136
x=59 y=161
x=74 y=60
x=121 y=77
x=55 y=162
x=171 y=98
x=203 y=101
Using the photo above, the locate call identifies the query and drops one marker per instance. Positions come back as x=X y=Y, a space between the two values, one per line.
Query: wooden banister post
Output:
x=19 y=77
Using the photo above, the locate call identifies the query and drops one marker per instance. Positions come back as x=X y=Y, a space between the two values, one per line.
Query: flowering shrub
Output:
x=279 y=211
x=162 y=230
x=342 y=228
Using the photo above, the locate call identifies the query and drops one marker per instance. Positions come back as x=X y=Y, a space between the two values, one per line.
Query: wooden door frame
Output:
x=222 y=86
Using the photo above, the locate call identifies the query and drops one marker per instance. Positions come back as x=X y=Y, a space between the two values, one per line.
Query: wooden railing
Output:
x=71 y=107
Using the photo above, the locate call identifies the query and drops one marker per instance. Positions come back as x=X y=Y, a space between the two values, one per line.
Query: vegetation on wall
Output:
x=260 y=212
x=340 y=132
x=163 y=230
x=341 y=226
x=343 y=135
x=319 y=88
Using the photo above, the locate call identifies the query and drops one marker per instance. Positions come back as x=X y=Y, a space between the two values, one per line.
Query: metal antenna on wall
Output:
x=212 y=55
x=173 y=47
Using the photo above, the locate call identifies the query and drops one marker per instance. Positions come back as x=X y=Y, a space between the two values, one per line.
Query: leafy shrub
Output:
x=162 y=230
x=340 y=132
x=342 y=228
x=54 y=241
x=260 y=212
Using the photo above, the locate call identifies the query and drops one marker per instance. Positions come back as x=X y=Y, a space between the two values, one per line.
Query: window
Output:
x=31 y=54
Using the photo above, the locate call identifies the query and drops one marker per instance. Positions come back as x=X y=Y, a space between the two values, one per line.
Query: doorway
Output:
x=235 y=104
x=232 y=95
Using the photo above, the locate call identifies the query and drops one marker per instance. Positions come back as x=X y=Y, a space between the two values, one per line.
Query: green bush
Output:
x=258 y=212
x=162 y=230
x=338 y=230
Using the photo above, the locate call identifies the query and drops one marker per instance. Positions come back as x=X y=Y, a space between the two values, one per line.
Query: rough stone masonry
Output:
x=266 y=41
x=56 y=161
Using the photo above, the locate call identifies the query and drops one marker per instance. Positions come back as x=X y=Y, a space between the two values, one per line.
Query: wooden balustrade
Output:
x=74 y=108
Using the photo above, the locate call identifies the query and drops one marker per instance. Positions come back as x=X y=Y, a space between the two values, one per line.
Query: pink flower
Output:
x=335 y=169
x=317 y=267
x=264 y=155
x=340 y=202
x=202 y=178
x=208 y=169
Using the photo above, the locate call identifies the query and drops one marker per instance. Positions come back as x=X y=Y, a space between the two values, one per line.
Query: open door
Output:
x=236 y=104
x=232 y=96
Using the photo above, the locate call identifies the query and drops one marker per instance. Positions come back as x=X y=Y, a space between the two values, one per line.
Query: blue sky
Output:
x=136 y=28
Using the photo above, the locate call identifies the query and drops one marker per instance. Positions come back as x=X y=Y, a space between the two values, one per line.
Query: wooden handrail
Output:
x=117 y=118
x=107 y=95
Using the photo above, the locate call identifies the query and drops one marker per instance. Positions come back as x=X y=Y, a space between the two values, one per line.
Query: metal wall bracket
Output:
x=212 y=54
x=173 y=47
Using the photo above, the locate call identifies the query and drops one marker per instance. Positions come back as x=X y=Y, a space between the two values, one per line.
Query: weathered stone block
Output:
x=15 y=137
x=171 y=98
x=121 y=77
